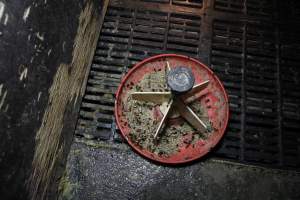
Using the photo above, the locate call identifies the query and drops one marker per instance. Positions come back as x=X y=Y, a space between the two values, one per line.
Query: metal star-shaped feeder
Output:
x=181 y=89
x=181 y=82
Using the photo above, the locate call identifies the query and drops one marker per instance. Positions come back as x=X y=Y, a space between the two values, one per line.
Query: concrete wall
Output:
x=42 y=71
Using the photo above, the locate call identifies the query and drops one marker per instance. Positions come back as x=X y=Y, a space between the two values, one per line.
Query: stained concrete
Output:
x=37 y=41
x=97 y=170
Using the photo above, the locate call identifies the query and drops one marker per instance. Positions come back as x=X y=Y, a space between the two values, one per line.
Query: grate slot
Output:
x=233 y=6
x=260 y=8
x=190 y=3
x=157 y=1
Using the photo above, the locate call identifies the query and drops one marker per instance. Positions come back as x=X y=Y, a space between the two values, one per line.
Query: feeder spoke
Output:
x=158 y=130
x=190 y=116
x=168 y=66
x=197 y=88
x=155 y=97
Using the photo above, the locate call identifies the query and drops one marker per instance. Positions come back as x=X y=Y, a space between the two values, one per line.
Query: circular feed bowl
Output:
x=164 y=126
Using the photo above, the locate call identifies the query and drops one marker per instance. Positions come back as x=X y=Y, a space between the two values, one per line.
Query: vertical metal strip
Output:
x=279 y=95
x=206 y=33
x=130 y=42
x=243 y=94
x=167 y=32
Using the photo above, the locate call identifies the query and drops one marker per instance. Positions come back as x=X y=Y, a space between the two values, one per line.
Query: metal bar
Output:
x=155 y=97
x=197 y=88
x=158 y=130
x=191 y=96
x=167 y=32
x=168 y=66
x=129 y=47
x=243 y=96
x=205 y=38
x=279 y=96
x=188 y=114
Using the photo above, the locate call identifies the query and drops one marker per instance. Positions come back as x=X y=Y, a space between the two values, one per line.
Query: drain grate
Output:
x=256 y=59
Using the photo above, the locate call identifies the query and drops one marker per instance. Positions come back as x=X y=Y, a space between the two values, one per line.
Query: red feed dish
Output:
x=216 y=101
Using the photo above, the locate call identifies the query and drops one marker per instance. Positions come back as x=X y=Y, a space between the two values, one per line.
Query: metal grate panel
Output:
x=227 y=48
x=256 y=57
x=256 y=8
x=234 y=6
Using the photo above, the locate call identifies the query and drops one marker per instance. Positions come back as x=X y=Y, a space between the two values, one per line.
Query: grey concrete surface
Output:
x=103 y=171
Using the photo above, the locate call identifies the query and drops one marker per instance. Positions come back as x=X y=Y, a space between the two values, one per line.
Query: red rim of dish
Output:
x=144 y=152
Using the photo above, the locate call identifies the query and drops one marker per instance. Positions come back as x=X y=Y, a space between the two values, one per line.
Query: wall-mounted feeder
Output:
x=171 y=108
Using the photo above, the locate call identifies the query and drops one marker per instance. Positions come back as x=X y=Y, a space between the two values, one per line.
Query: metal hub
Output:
x=180 y=80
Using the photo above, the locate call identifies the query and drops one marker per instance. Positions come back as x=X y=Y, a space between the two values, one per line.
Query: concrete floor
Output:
x=97 y=170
